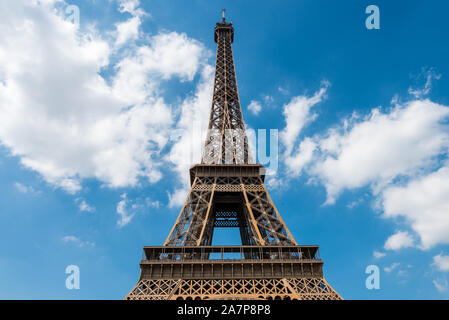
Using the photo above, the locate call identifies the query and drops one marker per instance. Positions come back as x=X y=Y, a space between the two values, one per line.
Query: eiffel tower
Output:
x=227 y=190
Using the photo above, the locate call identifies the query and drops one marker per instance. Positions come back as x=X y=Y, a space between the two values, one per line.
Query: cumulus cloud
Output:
x=24 y=189
x=378 y=254
x=302 y=157
x=441 y=261
x=152 y=204
x=424 y=202
x=161 y=57
x=84 y=206
x=190 y=134
x=398 y=152
x=178 y=196
x=75 y=240
x=125 y=217
x=130 y=6
x=254 y=107
x=63 y=119
x=382 y=147
x=297 y=114
x=399 y=240
x=127 y=31
x=441 y=284
x=391 y=267
x=429 y=76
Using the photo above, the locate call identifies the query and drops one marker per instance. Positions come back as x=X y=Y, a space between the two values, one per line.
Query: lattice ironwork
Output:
x=246 y=198
x=227 y=190
x=226 y=141
x=231 y=289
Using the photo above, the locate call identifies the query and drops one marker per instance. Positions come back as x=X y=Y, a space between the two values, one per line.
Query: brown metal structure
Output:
x=228 y=191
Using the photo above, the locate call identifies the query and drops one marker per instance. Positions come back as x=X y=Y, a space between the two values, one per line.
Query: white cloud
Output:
x=267 y=99
x=382 y=147
x=140 y=73
x=67 y=122
x=429 y=75
x=274 y=182
x=297 y=114
x=152 y=204
x=127 y=31
x=70 y=239
x=397 y=153
x=424 y=202
x=190 y=134
x=128 y=208
x=254 y=107
x=354 y=203
x=441 y=262
x=296 y=163
x=177 y=197
x=283 y=90
x=70 y=185
x=84 y=206
x=162 y=58
x=399 y=240
x=441 y=284
x=125 y=216
x=77 y=241
x=378 y=254
x=22 y=188
x=130 y=6
x=392 y=267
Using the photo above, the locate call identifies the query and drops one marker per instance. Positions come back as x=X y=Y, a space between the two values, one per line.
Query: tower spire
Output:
x=226 y=141
x=223 y=15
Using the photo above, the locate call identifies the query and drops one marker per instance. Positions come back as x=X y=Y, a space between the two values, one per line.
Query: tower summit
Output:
x=226 y=141
x=228 y=191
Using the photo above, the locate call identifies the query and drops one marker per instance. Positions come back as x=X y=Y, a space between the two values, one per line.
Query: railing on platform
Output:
x=222 y=253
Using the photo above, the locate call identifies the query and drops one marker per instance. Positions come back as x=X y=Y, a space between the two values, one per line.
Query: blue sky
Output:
x=90 y=170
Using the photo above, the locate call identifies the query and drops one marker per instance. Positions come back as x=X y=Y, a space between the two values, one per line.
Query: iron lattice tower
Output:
x=227 y=190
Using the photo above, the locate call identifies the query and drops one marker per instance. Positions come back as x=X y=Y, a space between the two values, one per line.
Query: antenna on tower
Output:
x=223 y=14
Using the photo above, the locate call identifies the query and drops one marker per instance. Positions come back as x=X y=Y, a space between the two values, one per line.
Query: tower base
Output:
x=232 y=273
x=234 y=289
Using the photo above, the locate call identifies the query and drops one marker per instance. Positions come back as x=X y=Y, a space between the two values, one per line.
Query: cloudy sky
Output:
x=101 y=117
